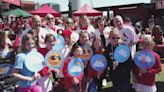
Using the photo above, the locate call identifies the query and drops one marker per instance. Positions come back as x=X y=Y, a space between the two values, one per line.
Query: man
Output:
x=127 y=34
x=51 y=27
x=39 y=32
x=128 y=22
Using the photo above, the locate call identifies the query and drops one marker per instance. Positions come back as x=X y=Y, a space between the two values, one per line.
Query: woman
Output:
x=84 y=25
x=102 y=30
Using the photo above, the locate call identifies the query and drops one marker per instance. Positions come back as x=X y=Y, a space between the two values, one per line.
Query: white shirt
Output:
x=6 y=49
x=53 y=31
x=128 y=36
x=90 y=30
x=50 y=30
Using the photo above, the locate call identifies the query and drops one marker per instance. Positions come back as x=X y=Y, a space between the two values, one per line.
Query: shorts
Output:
x=144 y=88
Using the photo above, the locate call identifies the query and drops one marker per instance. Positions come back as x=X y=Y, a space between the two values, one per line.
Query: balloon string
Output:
x=112 y=54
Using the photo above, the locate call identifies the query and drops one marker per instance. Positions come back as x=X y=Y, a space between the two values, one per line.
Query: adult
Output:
x=84 y=25
x=102 y=30
x=38 y=31
x=128 y=22
x=157 y=34
x=51 y=27
x=127 y=34
x=69 y=24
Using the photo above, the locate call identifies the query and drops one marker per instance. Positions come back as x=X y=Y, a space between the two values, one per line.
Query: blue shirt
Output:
x=20 y=64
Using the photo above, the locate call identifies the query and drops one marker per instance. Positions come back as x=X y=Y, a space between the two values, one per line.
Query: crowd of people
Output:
x=102 y=36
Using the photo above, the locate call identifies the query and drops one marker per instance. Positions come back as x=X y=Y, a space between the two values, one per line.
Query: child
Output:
x=70 y=81
x=84 y=40
x=145 y=78
x=97 y=77
x=27 y=78
x=120 y=73
x=45 y=82
x=65 y=51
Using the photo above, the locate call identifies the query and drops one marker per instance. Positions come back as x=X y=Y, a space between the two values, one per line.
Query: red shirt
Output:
x=68 y=78
x=149 y=77
x=43 y=51
x=84 y=28
x=1 y=26
x=7 y=26
x=16 y=43
x=45 y=70
x=92 y=72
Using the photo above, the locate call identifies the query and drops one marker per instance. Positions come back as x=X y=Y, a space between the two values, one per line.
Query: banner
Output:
x=15 y=2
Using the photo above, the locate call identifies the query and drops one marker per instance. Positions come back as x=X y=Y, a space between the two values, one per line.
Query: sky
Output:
x=95 y=3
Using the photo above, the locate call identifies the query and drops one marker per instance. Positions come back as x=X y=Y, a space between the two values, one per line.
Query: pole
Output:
x=1 y=9
x=108 y=15
x=91 y=3
x=70 y=9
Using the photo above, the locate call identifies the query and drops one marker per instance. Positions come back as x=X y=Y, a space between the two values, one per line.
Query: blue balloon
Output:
x=98 y=62
x=122 y=53
x=53 y=59
x=144 y=59
x=75 y=67
x=59 y=42
x=6 y=69
x=34 y=61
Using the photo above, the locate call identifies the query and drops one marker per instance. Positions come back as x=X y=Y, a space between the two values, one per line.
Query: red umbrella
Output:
x=44 y=10
x=87 y=10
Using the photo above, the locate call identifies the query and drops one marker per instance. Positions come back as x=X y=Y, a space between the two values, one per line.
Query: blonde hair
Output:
x=85 y=18
x=114 y=31
x=148 y=40
x=69 y=20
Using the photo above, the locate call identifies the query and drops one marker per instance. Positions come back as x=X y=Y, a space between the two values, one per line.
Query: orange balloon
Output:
x=54 y=59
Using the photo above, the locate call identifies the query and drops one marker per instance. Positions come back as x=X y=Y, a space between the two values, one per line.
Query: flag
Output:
x=15 y=2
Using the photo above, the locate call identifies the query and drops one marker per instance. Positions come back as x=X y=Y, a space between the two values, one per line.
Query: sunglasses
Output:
x=55 y=57
x=50 y=18
x=51 y=41
x=115 y=38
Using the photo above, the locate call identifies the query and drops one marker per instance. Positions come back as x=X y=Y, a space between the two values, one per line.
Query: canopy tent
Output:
x=44 y=10
x=17 y=12
x=15 y=2
x=87 y=10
